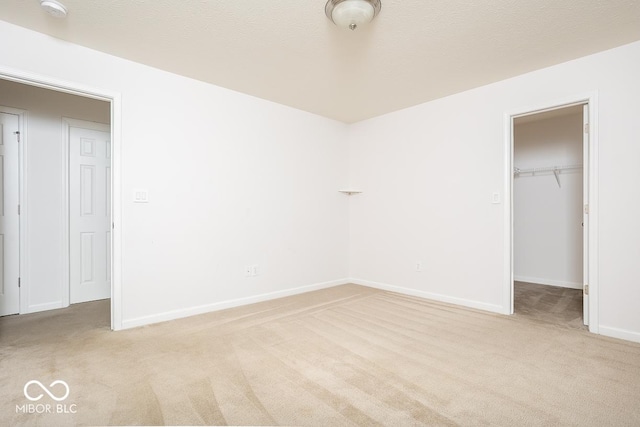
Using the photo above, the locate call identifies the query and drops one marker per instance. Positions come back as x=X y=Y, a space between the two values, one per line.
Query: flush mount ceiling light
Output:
x=352 y=13
x=54 y=8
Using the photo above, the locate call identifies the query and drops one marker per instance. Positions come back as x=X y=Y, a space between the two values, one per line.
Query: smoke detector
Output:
x=54 y=8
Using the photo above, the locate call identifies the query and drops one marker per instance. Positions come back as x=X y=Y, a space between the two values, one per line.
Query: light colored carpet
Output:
x=348 y=355
x=549 y=304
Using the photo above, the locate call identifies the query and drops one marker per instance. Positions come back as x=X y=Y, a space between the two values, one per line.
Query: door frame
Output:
x=115 y=102
x=67 y=124
x=591 y=169
x=22 y=225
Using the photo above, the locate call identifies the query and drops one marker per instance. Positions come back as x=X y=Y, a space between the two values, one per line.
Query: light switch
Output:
x=495 y=198
x=141 y=196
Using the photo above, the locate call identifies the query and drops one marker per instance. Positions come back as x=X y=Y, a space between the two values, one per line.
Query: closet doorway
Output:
x=61 y=236
x=551 y=184
x=56 y=295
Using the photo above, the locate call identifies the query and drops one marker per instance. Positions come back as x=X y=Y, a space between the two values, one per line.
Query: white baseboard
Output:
x=44 y=307
x=619 y=333
x=550 y=282
x=432 y=296
x=207 y=308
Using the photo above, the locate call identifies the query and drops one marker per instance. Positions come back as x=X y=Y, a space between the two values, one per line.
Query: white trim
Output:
x=507 y=291
x=592 y=100
x=46 y=82
x=24 y=214
x=594 y=210
x=74 y=88
x=494 y=308
x=116 y=212
x=622 y=334
x=549 y=282
x=46 y=306
x=66 y=244
x=222 y=305
x=67 y=124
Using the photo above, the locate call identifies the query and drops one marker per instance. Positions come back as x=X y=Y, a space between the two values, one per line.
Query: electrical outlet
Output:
x=251 y=270
x=418 y=266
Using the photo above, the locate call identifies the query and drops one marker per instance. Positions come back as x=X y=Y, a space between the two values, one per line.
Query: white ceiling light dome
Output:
x=54 y=8
x=352 y=13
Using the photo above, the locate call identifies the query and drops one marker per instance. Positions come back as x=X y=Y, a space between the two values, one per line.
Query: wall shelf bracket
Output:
x=350 y=192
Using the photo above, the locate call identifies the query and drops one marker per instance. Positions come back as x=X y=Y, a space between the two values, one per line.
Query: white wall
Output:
x=428 y=174
x=547 y=218
x=233 y=180
x=44 y=167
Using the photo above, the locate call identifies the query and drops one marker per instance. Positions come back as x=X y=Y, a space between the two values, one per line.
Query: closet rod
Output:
x=518 y=171
x=555 y=169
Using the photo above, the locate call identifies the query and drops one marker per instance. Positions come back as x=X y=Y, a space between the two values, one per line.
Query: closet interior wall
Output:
x=547 y=204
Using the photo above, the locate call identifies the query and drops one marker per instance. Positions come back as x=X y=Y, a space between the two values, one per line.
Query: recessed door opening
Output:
x=64 y=191
x=551 y=183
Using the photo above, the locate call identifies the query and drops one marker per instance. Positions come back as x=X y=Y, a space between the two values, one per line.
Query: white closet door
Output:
x=90 y=214
x=9 y=218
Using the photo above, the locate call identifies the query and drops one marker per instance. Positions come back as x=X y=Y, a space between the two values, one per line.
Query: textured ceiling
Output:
x=287 y=51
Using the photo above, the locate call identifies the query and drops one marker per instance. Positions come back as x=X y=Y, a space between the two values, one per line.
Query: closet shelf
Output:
x=350 y=192
x=518 y=171
x=556 y=170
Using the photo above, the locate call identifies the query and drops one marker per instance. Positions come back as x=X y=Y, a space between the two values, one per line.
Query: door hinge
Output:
x=18 y=282
x=18 y=209
x=586 y=128
x=586 y=289
x=586 y=208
